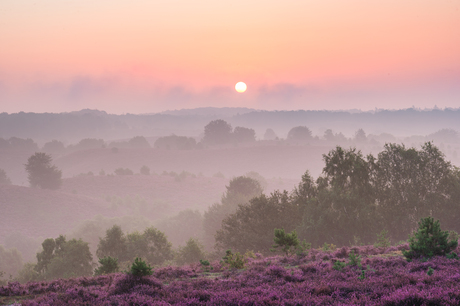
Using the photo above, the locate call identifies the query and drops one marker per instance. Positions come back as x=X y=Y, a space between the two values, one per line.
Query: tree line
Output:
x=356 y=198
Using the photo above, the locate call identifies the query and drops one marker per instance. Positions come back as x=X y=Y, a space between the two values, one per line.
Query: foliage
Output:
x=53 y=146
x=242 y=134
x=354 y=261
x=123 y=171
x=240 y=190
x=265 y=281
x=4 y=179
x=251 y=227
x=41 y=173
x=429 y=241
x=382 y=240
x=206 y=265
x=179 y=228
x=63 y=259
x=139 y=142
x=114 y=244
x=339 y=265
x=360 y=136
x=107 y=265
x=10 y=261
x=299 y=133
x=139 y=268
x=430 y=271
x=174 y=142
x=193 y=251
x=217 y=132
x=270 y=135
x=288 y=242
x=145 y=170
x=234 y=260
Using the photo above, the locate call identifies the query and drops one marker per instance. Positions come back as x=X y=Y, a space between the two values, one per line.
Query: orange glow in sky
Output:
x=147 y=56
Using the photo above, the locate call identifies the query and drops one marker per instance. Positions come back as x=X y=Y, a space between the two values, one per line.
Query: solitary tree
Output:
x=242 y=134
x=41 y=173
x=300 y=133
x=4 y=179
x=217 y=132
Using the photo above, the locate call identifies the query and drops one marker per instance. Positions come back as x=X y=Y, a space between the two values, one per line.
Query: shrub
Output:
x=145 y=170
x=121 y=171
x=108 y=265
x=382 y=240
x=234 y=261
x=140 y=268
x=288 y=242
x=354 y=260
x=429 y=241
x=339 y=265
x=430 y=271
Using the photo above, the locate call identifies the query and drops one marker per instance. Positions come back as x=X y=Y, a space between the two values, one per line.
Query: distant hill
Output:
x=225 y=112
x=74 y=126
x=37 y=212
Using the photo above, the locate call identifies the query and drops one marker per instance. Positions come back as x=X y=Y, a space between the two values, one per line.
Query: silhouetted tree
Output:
x=360 y=136
x=174 y=142
x=64 y=259
x=239 y=191
x=242 y=134
x=217 y=132
x=270 y=135
x=192 y=252
x=299 y=133
x=41 y=173
x=114 y=244
x=4 y=179
x=53 y=146
x=139 y=142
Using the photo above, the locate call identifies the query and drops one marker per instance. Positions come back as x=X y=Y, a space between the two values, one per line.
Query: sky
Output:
x=149 y=56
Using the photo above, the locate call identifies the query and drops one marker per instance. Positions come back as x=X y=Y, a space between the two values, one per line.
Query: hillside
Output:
x=36 y=212
x=270 y=161
x=378 y=277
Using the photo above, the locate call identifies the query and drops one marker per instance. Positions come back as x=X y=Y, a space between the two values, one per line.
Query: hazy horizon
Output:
x=155 y=56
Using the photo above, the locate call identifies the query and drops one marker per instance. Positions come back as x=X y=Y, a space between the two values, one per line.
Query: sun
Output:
x=241 y=87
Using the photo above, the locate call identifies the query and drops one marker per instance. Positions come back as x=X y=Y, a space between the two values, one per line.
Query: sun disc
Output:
x=241 y=87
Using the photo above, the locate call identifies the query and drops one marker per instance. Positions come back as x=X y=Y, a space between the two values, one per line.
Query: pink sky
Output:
x=149 y=56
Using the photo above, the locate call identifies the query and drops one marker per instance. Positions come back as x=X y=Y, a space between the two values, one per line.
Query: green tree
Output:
x=288 y=242
x=239 y=191
x=192 y=252
x=251 y=227
x=41 y=173
x=63 y=259
x=217 y=132
x=429 y=241
x=411 y=184
x=152 y=245
x=341 y=204
x=114 y=244
x=107 y=265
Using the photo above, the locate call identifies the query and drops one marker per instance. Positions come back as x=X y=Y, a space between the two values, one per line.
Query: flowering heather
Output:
x=385 y=278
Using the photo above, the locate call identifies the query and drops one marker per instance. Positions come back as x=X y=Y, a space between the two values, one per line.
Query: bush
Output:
x=339 y=265
x=139 y=268
x=355 y=261
x=429 y=241
x=108 y=265
x=121 y=171
x=234 y=261
x=287 y=241
x=382 y=240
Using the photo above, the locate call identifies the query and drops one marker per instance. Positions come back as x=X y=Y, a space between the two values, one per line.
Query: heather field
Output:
x=379 y=277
